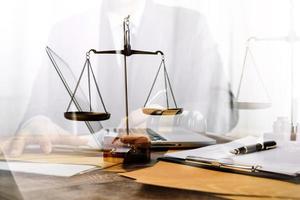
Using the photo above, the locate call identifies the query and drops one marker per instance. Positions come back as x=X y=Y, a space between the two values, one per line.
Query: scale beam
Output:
x=127 y=52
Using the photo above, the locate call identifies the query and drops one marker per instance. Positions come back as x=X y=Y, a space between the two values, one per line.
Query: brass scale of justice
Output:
x=92 y=115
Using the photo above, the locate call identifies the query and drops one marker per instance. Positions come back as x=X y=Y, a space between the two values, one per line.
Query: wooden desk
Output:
x=94 y=185
x=98 y=184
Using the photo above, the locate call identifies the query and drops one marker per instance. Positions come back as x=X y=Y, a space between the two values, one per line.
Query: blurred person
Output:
x=192 y=59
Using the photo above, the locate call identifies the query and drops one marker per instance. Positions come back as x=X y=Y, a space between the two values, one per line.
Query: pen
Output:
x=254 y=148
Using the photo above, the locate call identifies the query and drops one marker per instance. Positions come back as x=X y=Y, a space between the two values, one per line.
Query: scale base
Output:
x=137 y=155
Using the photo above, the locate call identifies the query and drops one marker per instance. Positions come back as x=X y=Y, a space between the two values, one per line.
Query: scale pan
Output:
x=87 y=116
x=251 y=105
x=155 y=111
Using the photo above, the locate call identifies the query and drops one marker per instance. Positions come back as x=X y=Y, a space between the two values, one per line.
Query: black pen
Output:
x=254 y=148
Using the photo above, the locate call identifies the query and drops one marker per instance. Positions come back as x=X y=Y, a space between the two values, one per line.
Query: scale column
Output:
x=126 y=95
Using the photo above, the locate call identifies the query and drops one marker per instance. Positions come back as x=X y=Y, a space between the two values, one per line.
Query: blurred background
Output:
x=26 y=25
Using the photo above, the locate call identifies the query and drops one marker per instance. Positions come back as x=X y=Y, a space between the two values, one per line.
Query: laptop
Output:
x=167 y=137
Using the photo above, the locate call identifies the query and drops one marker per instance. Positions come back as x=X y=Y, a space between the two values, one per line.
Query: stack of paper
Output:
x=284 y=159
x=57 y=164
x=46 y=168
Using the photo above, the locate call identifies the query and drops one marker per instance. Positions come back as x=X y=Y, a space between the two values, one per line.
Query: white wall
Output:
x=25 y=25
x=232 y=22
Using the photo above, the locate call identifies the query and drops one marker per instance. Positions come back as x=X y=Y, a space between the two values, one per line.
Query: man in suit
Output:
x=192 y=59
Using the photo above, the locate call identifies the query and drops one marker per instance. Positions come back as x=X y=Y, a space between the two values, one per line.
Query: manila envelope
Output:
x=221 y=183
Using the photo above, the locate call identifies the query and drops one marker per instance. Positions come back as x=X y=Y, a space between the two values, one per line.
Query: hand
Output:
x=136 y=140
x=192 y=120
x=138 y=119
x=42 y=131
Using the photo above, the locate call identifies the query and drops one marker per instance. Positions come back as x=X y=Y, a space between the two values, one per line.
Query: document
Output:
x=52 y=169
x=67 y=158
x=284 y=159
x=66 y=163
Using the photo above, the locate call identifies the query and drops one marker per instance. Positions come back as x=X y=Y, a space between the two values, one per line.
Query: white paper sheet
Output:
x=217 y=151
x=65 y=170
x=284 y=159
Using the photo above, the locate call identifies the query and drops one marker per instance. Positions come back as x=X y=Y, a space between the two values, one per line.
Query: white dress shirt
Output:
x=192 y=59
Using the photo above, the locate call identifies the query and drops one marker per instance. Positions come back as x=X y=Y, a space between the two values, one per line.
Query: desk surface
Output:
x=94 y=185
x=98 y=184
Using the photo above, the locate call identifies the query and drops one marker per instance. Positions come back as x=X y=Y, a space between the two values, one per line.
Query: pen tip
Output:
x=233 y=151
